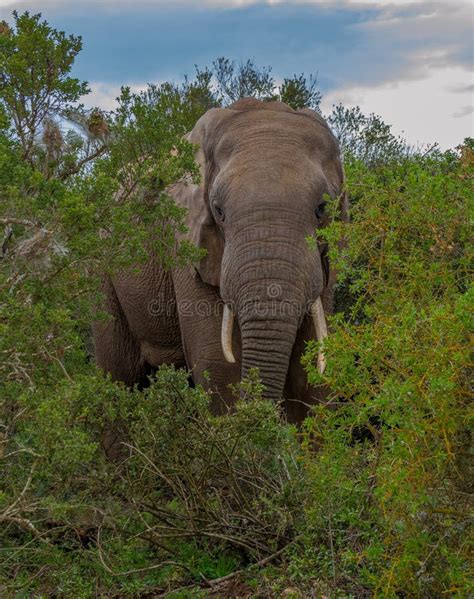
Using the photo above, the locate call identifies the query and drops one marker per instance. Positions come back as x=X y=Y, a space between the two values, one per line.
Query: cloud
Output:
x=462 y=88
x=375 y=5
x=463 y=111
x=104 y=95
x=147 y=41
x=119 y=5
x=420 y=110
x=409 y=41
x=365 y=43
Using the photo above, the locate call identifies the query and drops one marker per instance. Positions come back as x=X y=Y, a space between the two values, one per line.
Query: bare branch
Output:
x=18 y=221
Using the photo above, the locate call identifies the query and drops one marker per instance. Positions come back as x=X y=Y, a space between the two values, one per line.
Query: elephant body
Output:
x=265 y=170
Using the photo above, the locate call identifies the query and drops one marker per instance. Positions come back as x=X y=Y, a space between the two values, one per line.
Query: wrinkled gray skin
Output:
x=265 y=169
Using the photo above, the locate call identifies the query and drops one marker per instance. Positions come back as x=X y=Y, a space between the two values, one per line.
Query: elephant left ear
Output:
x=209 y=238
x=203 y=230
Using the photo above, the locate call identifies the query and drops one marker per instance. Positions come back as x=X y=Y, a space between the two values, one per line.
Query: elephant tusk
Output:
x=319 y=320
x=226 y=334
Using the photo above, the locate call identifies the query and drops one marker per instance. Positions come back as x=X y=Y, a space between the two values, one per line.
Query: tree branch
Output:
x=73 y=171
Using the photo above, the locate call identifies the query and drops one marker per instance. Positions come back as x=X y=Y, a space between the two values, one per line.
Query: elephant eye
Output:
x=219 y=213
x=321 y=210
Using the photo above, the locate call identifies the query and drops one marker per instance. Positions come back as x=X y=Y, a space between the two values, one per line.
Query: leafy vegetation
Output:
x=392 y=473
x=370 y=498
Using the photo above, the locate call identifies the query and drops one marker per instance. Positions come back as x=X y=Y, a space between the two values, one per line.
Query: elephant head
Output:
x=265 y=172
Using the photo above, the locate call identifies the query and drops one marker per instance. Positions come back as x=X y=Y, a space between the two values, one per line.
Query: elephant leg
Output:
x=116 y=350
x=147 y=301
x=200 y=317
x=117 y=353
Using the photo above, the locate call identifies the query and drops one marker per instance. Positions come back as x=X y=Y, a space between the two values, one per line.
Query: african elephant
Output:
x=265 y=171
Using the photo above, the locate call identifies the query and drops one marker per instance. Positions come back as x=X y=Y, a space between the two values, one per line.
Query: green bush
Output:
x=194 y=494
x=390 y=511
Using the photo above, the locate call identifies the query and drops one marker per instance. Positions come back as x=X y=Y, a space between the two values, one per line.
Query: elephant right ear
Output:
x=203 y=230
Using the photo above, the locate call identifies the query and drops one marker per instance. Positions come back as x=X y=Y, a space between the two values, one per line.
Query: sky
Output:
x=411 y=62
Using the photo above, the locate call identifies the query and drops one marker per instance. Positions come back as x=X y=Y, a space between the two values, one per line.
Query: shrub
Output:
x=231 y=481
x=194 y=494
x=390 y=510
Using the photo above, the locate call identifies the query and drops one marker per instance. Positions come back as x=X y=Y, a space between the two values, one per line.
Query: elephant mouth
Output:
x=319 y=322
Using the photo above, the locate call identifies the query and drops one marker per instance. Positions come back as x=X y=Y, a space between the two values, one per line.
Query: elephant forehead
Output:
x=256 y=131
x=272 y=176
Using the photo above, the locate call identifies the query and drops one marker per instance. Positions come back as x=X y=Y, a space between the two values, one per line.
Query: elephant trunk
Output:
x=270 y=312
x=267 y=343
x=268 y=346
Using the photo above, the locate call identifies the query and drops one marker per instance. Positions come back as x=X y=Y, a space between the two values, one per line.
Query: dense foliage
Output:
x=371 y=497
x=393 y=470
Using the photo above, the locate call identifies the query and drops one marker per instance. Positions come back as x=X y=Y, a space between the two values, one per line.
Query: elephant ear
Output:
x=203 y=230
x=337 y=166
x=344 y=201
